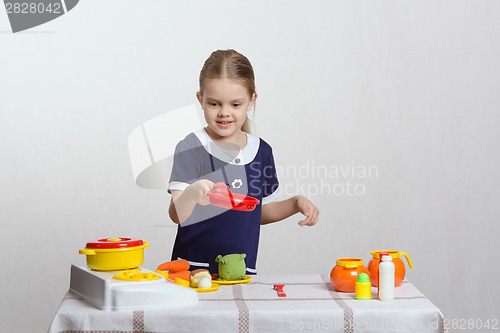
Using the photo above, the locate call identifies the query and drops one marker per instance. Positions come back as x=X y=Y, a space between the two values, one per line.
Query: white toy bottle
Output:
x=386 y=271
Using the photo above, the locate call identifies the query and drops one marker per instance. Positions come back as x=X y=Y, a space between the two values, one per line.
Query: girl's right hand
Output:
x=197 y=191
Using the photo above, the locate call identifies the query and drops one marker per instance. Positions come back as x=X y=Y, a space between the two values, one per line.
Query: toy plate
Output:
x=248 y=279
x=214 y=287
x=221 y=196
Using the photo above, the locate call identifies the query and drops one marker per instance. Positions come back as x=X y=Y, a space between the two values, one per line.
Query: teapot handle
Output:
x=407 y=258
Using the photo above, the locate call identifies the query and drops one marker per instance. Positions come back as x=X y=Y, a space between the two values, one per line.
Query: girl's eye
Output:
x=236 y=105
x=213 y=104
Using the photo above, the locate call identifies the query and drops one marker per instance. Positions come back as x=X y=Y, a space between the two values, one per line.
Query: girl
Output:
x=225 y=151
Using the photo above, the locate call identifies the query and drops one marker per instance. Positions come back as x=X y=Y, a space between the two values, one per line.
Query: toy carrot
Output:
x=175 y=266
x=181 y=275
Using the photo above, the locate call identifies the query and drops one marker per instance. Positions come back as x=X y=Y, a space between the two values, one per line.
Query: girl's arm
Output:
x=280 y=210
x=183 y=202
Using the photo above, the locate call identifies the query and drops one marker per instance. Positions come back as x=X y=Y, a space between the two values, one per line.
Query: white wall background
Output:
x=410 y=87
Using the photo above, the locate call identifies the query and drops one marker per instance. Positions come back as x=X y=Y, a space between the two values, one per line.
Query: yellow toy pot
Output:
x=114 y=254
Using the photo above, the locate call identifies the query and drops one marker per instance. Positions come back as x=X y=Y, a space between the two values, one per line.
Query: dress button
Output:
x=237 y=161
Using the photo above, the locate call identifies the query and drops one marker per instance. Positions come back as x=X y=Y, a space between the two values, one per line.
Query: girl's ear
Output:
x=200 y=98
x=252 y=101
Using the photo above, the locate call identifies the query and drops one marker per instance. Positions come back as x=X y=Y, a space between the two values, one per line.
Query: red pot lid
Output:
x=114 y=243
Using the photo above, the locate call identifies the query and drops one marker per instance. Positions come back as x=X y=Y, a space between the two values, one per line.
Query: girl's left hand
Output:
x=306 y=207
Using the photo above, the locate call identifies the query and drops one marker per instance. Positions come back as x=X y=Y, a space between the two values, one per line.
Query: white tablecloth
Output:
x=311 y=305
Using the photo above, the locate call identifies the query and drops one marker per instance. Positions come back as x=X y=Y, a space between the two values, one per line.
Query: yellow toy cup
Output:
x=363 y=289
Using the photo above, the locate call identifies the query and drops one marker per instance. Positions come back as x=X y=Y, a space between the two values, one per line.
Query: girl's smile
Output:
x=224 y=124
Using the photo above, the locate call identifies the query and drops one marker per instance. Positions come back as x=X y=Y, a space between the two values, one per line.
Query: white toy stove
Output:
x=129 y=290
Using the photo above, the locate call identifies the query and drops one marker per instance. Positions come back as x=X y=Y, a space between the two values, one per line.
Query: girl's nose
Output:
x=225 y=111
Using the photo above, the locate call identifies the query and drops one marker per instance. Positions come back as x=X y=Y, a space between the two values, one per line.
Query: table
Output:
x=311 y=305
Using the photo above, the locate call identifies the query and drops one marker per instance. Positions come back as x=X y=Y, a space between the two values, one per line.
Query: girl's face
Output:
x=225 y=103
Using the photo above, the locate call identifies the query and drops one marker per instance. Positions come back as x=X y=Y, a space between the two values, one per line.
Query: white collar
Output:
x=235 y=157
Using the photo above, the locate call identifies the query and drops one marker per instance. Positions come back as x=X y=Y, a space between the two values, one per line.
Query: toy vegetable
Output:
x=231 y=267
x=197 y=278
x=178 y=269
x=174 y=266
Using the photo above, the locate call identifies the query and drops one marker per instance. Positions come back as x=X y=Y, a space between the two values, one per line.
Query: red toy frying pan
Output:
x=221 y=196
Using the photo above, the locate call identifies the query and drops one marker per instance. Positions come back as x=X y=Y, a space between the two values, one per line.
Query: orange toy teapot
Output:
x=344 y=275
x=398 y=263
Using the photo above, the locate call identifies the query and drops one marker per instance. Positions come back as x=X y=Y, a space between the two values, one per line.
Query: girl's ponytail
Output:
x=247 y=126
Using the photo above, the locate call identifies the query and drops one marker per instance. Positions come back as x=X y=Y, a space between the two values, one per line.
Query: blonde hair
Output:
x=232 y=65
